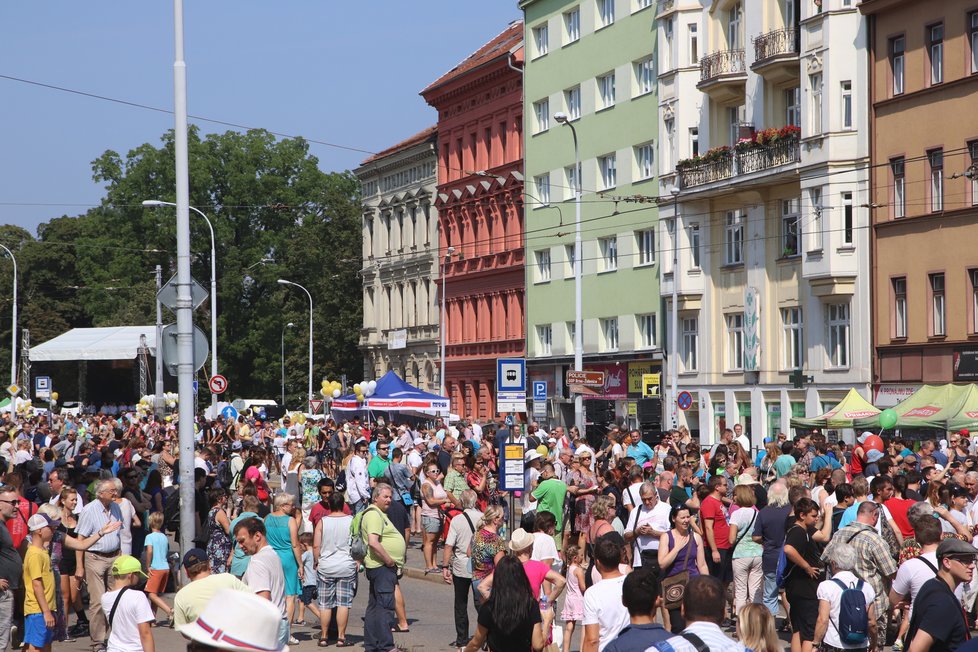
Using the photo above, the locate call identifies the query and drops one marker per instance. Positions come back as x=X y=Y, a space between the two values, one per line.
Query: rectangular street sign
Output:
x=511 y=385
x=540 y=409
x=42 y=387
x=585 y=378
x=511 y=473
x=539 y=390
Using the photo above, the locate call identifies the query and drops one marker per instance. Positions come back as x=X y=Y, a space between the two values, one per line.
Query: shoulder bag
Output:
x=674 y=586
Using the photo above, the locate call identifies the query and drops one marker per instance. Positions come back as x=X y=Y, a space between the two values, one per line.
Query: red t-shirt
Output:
x=319 y=512
x=856 y=465
x=18 y=524
x=898 y=508
x=713 y=508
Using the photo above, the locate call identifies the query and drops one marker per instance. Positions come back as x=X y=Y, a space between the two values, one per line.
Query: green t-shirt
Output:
x=455 y=483
x=377 y=467
x=376 y=522
x=550 y=498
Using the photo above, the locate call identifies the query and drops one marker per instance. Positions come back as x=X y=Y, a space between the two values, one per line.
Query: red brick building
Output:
x=480 y=214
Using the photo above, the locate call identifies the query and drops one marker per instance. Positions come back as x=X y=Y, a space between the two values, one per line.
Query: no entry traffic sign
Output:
x=684 y=400
x=218 y=384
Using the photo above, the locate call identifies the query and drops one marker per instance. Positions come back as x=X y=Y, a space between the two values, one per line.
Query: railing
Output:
x=759 y=158
x=666 y=5
x=725 y=62
x=776 y=43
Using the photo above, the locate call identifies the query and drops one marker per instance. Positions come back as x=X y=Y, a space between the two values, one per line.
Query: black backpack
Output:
x=171 y=511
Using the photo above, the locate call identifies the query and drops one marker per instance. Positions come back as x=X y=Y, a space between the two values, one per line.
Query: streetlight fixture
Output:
x=562 y=119
x=444 y=320
x=289 y=325
x=151 y=203
x=674 y=317
x=282 y=281
x=13 y=328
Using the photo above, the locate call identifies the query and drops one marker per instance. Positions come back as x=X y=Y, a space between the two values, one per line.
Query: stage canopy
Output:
x=110 y=343
x=394 y=395
x=852 y=407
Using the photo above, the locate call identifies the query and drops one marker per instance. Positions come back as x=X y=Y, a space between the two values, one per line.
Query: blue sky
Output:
x=340 y=72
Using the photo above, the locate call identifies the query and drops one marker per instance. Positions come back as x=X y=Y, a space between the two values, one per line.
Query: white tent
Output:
x=110 y=343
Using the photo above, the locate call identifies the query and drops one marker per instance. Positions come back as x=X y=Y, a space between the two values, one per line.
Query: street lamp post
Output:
x=282 y=281
x=578 y=325
x=13 y=328
x=674 y=317
x=289 y=325
x=444 y=320
x=156 y=202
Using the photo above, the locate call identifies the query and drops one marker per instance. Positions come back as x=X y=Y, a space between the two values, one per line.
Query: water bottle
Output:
x=503 y=531
x=544 y=603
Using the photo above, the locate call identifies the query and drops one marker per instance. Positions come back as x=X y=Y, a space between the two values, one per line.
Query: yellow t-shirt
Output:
x=376 y=522
x=37 y=565
x=245 y=432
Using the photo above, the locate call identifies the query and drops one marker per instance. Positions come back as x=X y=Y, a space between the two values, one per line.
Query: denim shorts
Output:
x=431 y=524
x=308 y=594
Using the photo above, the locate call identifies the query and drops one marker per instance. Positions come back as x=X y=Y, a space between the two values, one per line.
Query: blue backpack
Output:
x=853 y=624
x=782 y=572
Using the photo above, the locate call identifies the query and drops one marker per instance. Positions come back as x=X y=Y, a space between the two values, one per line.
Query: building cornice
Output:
x=871 y=7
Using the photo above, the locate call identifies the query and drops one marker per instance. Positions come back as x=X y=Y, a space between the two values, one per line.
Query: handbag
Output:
x=674 y=586
x=406 y=497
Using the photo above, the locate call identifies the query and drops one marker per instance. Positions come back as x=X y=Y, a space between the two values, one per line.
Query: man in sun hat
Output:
x=127 y=609
x=234 y=620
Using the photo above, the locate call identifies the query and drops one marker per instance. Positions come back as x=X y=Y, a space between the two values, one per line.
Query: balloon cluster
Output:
x=365 y=389
x=331 y=389
x=146 y=403
x=24 y=406
x=298 y=417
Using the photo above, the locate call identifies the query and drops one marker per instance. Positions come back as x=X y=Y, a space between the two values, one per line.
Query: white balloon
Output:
x=336 y=393
x=368 y=392
x=373 y=385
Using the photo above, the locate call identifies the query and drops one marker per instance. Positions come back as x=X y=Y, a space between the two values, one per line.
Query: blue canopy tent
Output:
x=396 y=396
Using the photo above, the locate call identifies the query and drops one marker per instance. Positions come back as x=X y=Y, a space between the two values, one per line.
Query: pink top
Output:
x=535 y=572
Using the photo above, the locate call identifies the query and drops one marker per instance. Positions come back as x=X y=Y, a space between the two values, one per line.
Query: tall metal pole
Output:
x=674 y=316
x=289 y=325
x=158 y=394
x=284 y=282
x=13 y=323
x=184 y=311
x=444 y=320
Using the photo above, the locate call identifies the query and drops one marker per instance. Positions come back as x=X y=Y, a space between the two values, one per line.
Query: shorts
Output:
x=157 y=581
x=35 y=631
x=336 y=591
x=308 y=594
x=722 y=570
x=803 y=614
x=431 y=524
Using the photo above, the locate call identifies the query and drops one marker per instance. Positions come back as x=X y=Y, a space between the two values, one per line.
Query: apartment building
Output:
x=763 y=180
x=924 y=189
x=400 y=262
x=589 y=80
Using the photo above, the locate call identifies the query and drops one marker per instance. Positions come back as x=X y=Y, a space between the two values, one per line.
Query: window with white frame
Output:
x=646 y=331
x=837 y=343
x=897 y=63
x=545 y=339
x=665 y=56
x=847 y=104
x=569 y=257
x=570 y=174
x=541 y=110
x=792 y=106
x=642 y=4
x=847 y=219
x=937 y=306
x=541 y=185
x=644 y=76
x=571 y=334
x=735 y=117
x=815 y=86
x=609 y=172
x=735 y=342
x=935 y=44
x=541 y=39
x=645 y=161
x=606 y=90
x=694 y=244
x=973 y=152
x=609 y=253
x=898 y=171
x=645 y=239
x=543 y=266
x=694 y=141
x=609 y=332
x=815 y=200
x=606 y=12
x=572 y=25
x=792 y=339
x=935 y=158
x=692 y=32
x=690 y=350
x=572 y=99
x=900 y=307
x=670 y=148
x=733 y=239
x=790 y=12
x=973 y=38
x=790 y=227
x=973 y=277
x=735 y=26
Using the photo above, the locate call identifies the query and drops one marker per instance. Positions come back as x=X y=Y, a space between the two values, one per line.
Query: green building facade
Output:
x=593 y=61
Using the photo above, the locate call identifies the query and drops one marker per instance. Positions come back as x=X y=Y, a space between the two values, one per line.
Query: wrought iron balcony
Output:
x=736 y=162
x=767 y=157
x=723 y=75
x=776 y=54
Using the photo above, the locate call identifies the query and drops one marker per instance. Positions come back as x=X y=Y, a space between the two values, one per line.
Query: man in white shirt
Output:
x=914 y=572
x=645 y=525
x=604 y=613
x=630 y=497
x=357 y=481
x=703 y=605
x=530 y=474
x=741 y=438
x=127 y=609
x=476 y=432
x=265 y=575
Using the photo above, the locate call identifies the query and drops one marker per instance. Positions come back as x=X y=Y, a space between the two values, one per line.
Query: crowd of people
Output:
x=615 y=545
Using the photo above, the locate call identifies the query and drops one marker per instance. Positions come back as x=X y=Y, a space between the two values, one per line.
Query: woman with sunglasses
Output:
x=583 y=486
x=433 y=496
x=477 y=477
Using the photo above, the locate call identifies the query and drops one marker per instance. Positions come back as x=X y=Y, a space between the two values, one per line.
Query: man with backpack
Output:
x=384 y=561
x=846 y=611
x=703 y=607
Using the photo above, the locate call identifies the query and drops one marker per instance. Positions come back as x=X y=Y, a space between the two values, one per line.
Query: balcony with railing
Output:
x=776 y=55
x=723 y=76
x=767 y=150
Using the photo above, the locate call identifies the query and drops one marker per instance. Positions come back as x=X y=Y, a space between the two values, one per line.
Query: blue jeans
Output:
x=377 y=636
x=771 y=594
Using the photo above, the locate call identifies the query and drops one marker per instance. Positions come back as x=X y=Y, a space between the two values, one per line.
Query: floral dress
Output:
x=582 y=505
x=58 y=549
x=218 y=544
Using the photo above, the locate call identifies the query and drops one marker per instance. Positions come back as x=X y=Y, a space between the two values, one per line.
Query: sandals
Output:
x=323 y=643
x=343 y=643
x=397 y=629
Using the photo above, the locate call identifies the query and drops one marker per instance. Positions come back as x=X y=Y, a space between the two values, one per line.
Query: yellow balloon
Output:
x=301 y=419
x=54 y=396
x=325 y=384
x=356 y=388
x=543 y=450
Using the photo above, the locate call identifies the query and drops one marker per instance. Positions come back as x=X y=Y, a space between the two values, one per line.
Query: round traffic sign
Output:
x=218 y=384
x=684 y=400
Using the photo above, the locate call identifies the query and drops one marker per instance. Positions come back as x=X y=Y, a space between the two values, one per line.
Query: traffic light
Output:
x=798 y=378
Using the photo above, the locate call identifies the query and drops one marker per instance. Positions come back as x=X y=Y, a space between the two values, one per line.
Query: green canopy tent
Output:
x=850 y=408
x=946 y=407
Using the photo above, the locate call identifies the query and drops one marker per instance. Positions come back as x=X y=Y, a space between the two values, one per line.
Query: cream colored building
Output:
x=400 y=262
x=765 y=139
